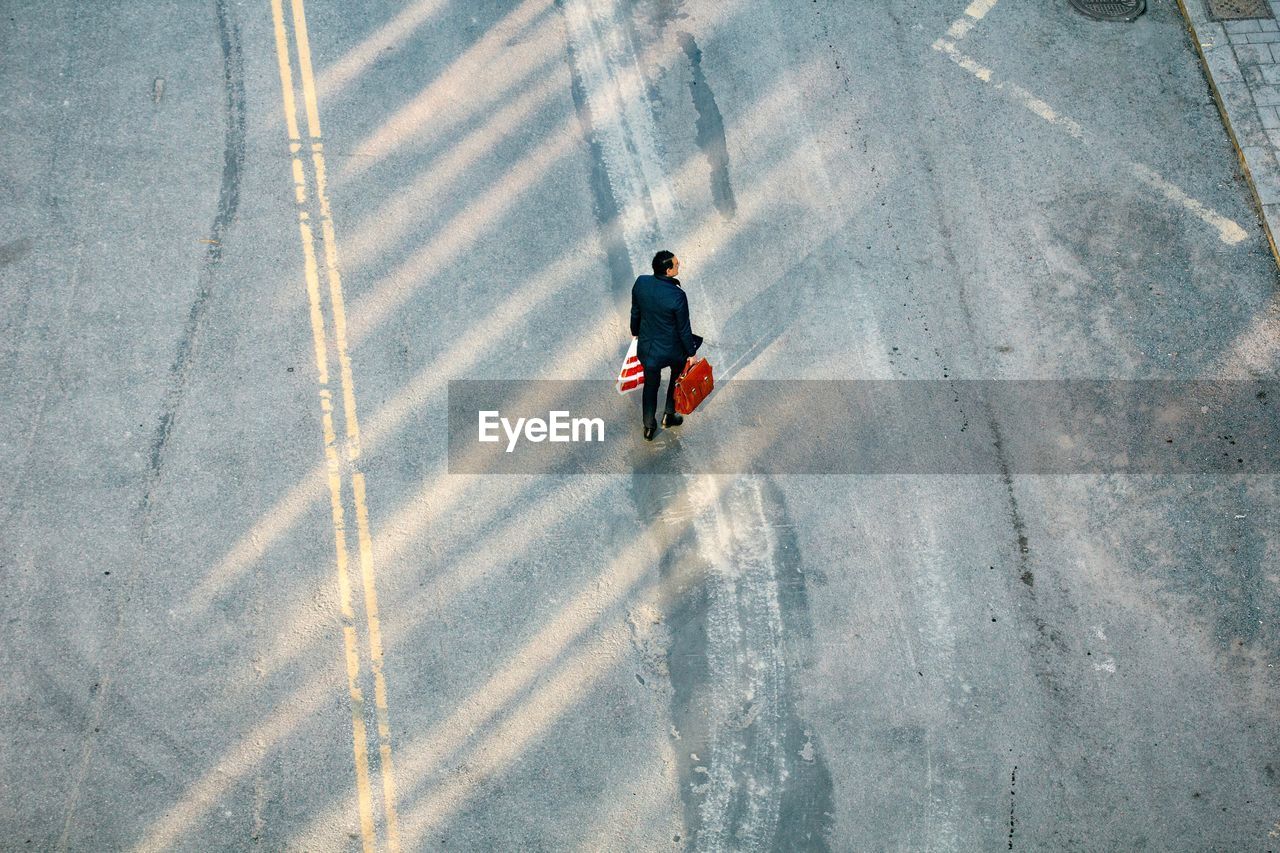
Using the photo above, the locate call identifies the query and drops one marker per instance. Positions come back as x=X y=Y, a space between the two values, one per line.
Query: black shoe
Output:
x=671 y=419
x=649 y=432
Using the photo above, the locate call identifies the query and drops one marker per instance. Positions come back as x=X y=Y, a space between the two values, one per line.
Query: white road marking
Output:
x=1043 y=110
x=976 y=11
x=960 y=28
x=980 y=71
x=1021 y=95
x=1229 y=231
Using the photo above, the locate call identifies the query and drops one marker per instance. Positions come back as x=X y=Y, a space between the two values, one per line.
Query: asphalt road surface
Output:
x=247 y=244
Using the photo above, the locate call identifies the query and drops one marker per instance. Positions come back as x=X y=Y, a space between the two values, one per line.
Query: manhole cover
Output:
x=1235 y=10
x=1114 y=10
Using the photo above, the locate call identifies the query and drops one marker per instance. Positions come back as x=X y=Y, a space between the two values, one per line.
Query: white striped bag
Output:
x=631 y=376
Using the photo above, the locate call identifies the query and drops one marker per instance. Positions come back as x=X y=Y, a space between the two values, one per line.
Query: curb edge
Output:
x=1231 y=133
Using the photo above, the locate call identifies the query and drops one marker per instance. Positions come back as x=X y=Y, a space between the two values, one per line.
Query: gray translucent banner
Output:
x=874 y=427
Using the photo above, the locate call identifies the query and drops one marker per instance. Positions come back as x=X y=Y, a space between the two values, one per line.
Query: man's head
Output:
x=665 y=263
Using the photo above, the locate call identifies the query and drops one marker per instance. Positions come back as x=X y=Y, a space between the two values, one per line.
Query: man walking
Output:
x=660 y=319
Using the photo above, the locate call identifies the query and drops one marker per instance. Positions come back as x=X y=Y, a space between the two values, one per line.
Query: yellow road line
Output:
x=337 y=307
x=303 y=41
x=360 y=741
x=375 y=661
x=313 y=294
x=359 y=736
x=336 y=301
x=286 y=71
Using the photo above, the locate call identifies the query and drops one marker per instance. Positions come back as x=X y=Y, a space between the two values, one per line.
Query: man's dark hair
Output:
x=662 y=262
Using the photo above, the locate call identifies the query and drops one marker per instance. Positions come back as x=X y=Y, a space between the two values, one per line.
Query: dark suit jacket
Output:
x=660 y=317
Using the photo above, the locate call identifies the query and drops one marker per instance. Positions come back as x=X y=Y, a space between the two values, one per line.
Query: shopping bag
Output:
x=631 y=376
x=694 y=384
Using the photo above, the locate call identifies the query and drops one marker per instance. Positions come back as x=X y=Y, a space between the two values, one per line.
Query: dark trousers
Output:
x=652 y=378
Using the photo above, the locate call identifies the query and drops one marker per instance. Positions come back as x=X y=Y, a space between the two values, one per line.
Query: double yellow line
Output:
x=329 y=332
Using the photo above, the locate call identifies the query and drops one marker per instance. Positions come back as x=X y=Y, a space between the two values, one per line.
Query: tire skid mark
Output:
x=743 y=763
x=1049 y=611
x=751 y=774
x=233 y=155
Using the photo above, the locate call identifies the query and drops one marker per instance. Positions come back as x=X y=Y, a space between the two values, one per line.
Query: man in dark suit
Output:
x=660 y=319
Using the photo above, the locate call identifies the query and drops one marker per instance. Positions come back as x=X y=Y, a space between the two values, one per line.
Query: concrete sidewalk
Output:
x=1242 y=61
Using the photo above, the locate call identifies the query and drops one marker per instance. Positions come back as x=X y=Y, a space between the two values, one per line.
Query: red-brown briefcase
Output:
x=694 y=385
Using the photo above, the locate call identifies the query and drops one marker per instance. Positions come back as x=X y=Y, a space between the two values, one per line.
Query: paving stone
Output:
x=1263 y=164
x=1243 y=114
x=1253 y=54
x=1261 y=174
x=1248 y=129
x=1268 y=192
x=1252 y=75
x=1262 y=169
x=1223 y=67
x=1271 y=216
x=1236 y=27
x=1259 y=157
x=1267 y=195
x=1246 y=79
x=1211 y=34
x=1265 y=96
